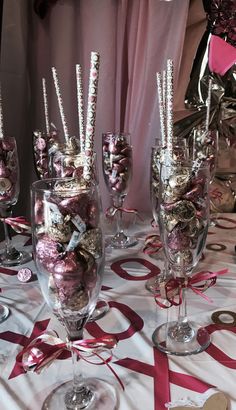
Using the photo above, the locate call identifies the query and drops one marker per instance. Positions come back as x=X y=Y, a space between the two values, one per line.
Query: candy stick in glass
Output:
x=80 y=102
x=60 y=104
x=91 y=116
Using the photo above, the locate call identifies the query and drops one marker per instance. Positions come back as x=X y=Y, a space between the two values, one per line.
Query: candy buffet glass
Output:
x=183 y=220
x=69 y=255
x=68 y=163
x=117 y=170
x=180 y=154
x=9 y=192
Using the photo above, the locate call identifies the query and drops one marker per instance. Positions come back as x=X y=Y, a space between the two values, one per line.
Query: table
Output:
x=150 y=377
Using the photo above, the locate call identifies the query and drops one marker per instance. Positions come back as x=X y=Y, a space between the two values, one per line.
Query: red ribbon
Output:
x=43 y=350
x=152 y=244
x=198 y=283
x=19 y=224
x=110 y=212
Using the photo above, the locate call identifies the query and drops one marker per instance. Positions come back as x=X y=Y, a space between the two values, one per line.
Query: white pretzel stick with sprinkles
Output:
x=164 y=91
x=161 y=108
x=60 y=104
x=45 y=102
x=208 y=102
x=80 y=102
x=169 y=104
x=91 y=116
x=1 y=116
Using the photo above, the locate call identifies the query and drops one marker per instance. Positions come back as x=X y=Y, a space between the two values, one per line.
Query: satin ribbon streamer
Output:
x=198 y=283
x=152 y=244
x=19 y=224
x=47 y=347
x=110 y=212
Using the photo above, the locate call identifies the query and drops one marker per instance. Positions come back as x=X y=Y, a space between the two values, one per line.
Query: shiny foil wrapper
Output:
x=91 y=241
x=117 y=163
x=183 y=258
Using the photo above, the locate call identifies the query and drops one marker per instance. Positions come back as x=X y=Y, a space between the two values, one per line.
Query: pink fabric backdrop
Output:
x=134 y=39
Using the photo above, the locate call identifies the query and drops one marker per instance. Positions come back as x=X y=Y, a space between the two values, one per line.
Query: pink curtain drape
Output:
x=134 y=39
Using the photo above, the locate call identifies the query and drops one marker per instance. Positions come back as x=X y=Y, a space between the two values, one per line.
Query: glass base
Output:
x=121 y=241
x=189 y=339
x=100 y=310
x=97 y=395
x=17 y=258
x=4 y=313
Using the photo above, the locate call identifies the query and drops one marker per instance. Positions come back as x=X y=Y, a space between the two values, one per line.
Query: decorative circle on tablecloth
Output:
x=222 y=218
x=218 y=321
x=217 y=247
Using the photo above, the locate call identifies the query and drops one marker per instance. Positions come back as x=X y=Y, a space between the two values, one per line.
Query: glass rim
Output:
x=36 y=185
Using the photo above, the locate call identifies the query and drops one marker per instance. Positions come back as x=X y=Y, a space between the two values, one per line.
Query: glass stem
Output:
x=118 y=202
x=10 y=251
x=182 y=313
x=77 y=375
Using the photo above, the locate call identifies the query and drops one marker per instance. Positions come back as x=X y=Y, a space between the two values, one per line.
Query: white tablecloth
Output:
x=150 y=377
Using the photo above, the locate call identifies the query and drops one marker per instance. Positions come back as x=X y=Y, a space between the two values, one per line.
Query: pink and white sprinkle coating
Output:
x=161 y=108
x=60 y=103
x=45 y=102
x=80 y=102
x=91 y=116
x=208 y=104
x=169 y=104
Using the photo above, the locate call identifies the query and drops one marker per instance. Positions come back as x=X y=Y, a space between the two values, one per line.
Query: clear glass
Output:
x=183 y=221
x=9 y=192
x=180 y=154
x=69 y=256
x=117 y=171
x=68 y=163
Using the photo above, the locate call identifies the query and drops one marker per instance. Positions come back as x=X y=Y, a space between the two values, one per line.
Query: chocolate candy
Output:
x=48 y=250
x=24 y=275
x=68 y=279
x=183 y=211
x=92 y=242
x=177 y=240
x=183 y=258
x=117 y=162
x=5 y=186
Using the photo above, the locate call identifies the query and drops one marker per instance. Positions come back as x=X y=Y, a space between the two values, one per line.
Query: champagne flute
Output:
x=184 y=216
x=117 y=170
x=69 y=256
x=69 y=163
x=9 y=192
x=180 y=154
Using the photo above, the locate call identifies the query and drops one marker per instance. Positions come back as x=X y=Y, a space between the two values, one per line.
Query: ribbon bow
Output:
x=19 y=224
x=198 y=283
x=110 y=212
x=47 y=347
x=152 y=244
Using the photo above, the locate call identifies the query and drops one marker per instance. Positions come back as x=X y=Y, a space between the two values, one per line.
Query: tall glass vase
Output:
x=117 y=170
x=9 y=192
x=69 y=256
x=184 y=217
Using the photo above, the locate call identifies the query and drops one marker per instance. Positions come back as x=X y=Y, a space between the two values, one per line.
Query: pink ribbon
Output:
x=19 y=224
x=198 y=283
x=152 y=244
x=110 y=212
x=47 y=347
